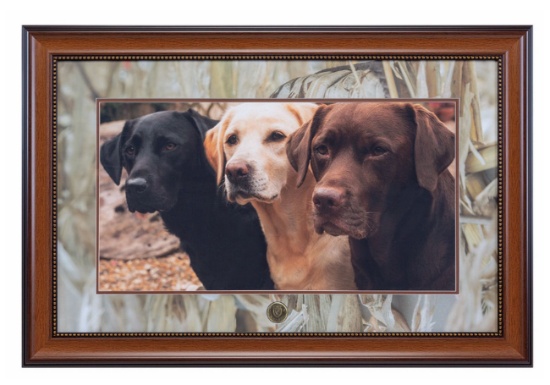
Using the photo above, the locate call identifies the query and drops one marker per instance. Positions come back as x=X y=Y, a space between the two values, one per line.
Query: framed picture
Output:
x=277 y=196
x=216 y=224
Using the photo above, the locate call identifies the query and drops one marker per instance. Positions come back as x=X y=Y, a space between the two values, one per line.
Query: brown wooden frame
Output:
x=512 y=45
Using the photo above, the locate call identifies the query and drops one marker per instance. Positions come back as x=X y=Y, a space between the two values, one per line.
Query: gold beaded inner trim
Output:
x=500 y=201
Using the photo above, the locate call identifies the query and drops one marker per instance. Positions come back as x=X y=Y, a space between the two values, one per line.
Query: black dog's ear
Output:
x=434 y=148
x=110 y=154
x=298 y=147
x=202 y=123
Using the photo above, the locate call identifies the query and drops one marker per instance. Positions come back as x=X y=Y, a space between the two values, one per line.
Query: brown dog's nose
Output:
x=326 y=198
x=236 y=171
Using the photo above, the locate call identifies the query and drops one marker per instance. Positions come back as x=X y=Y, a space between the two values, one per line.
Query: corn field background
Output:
x=80 y=309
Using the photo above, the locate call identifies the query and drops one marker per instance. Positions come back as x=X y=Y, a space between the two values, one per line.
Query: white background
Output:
x=277 y=12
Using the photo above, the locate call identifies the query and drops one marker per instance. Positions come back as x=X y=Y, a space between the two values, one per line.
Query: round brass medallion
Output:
x=277 y=312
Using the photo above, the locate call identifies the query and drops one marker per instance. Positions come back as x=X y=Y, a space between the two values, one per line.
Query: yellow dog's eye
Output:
x=232 y=140
x=276 y=136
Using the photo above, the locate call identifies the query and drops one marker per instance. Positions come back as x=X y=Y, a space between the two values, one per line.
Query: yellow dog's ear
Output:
x=213 y=147
x=303 y=112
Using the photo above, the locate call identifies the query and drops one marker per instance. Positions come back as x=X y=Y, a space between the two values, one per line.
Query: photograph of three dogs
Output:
x=294 y=196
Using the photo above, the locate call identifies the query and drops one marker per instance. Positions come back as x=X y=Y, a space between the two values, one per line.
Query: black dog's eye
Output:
x=232 y=140
x=169 y=146
x=321 y=149
x=276 y=136
x=130 y=150
x=378 y=150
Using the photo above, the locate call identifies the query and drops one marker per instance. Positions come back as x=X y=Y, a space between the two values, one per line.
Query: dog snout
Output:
x=328 y=198
x=237 y=171
x=137 y=185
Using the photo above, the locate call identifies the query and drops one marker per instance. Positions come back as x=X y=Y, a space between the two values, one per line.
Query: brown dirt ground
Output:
x=148 y=274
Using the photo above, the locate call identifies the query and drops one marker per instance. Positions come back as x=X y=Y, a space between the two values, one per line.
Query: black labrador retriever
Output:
x=168 y=172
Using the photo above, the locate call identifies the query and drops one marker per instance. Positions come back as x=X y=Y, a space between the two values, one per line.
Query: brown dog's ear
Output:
x=434 y=148
x=213 y=147
x=298 y=147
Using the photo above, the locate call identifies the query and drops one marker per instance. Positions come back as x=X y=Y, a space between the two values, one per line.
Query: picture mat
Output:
x=81 y=310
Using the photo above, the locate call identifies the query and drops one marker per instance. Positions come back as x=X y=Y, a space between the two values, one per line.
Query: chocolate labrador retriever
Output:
x=382 y=179
x=168 y=172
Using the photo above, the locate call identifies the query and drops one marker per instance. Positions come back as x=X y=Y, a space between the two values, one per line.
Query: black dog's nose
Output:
x=236 y=171
x=328 y=198
x=136 y=185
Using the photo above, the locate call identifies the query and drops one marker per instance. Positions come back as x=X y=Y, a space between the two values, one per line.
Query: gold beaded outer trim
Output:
x=58 y=58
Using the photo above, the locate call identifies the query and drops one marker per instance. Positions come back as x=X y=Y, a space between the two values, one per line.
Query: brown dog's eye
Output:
x=321 y=149
x=130 y=150
x=276 y=136
x=232 y=140
x=169 y=146
x=377 y=151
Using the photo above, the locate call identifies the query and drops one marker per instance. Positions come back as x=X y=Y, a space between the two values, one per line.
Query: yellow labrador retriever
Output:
x=248 y=150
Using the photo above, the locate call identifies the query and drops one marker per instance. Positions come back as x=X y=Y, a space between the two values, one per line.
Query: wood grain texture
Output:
x=511 y=44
